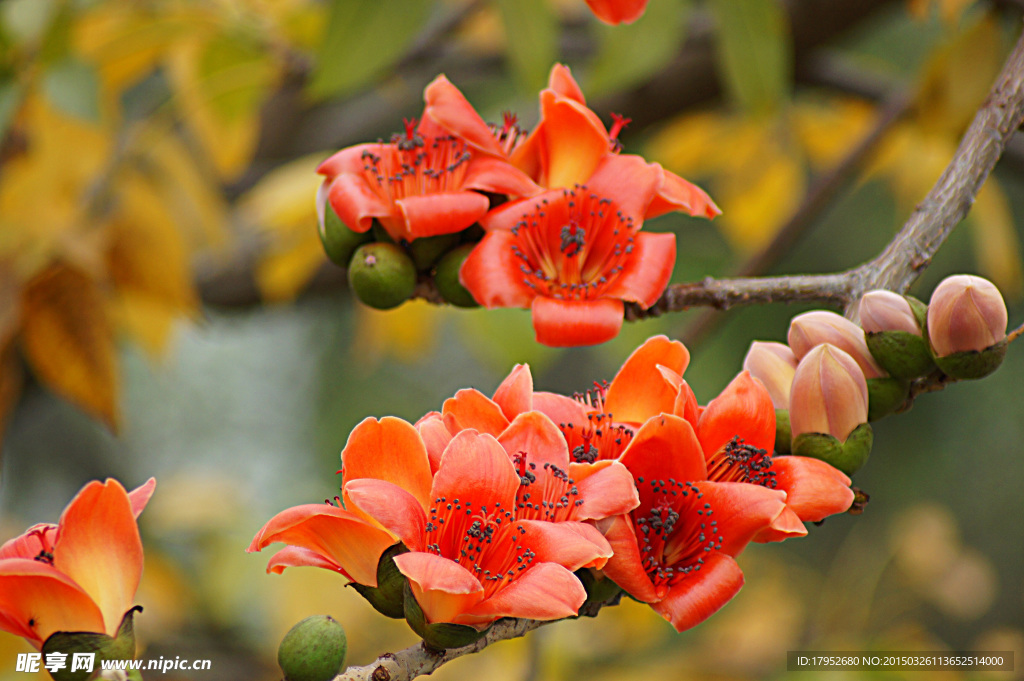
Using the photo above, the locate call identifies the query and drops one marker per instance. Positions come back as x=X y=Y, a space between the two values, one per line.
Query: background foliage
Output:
x=166 y=309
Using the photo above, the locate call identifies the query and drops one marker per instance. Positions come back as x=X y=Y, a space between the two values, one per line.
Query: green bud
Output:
x=971 y=364
x=783 y=433
x=847 y=456
x=105 y=647
x=427 y=250
x=901 y=353
x=388 y=596
x=313 y=650
x=439 y=635
x=446 y=277
x=339 y=241
x=600 y=590
x=382 y=275
x=885 y=395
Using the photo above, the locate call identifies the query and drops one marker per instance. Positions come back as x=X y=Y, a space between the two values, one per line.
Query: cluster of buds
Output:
x=835 y=376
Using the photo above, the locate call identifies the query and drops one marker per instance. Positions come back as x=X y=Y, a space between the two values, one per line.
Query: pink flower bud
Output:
x=829 y=394
x=820 y=326
x=965 y=313
x=882 y=310
x=774 y=365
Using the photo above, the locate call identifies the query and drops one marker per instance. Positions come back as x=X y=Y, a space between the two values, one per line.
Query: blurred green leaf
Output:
x=363 y=38
x=628 y=54
x=73 y=86
x=234 y=73
x=531 y=31
x=754 y=52
x=10 y=97
x=26 y=19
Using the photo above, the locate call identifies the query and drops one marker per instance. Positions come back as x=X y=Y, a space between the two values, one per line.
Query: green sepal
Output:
x=446 y=277
x=901 y=353
x=440 y=635
x=313 y=650
x=106 y=647
x=783 y=432
x=378 y=233
x=600 y=590
x=972 y=364
x=388 y=596
x=338 y=240
x=428 y=250
x=920 y=310
x=885 y=395
x=847 y=456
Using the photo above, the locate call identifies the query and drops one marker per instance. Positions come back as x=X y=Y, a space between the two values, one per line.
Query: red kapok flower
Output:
x=618 y=11
x=573 y=256
x=425 y=182
x=79 y=575
x=676 y=549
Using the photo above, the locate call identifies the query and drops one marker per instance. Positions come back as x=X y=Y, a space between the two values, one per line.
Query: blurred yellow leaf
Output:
x=67 y=339
x=282 y=274
x=995 y=240
x=828 y=129
x=949 y=10
x=146 y=319
x=406 y=334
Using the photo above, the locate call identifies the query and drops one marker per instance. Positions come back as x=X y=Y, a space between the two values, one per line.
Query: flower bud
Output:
x=966 y=313
x=820 y=326
x=882 y=310
x=426 y=251
x=446 y=277
x=313 y=650
x=774 y=365
x=338 y=240
x=829 y=395
x=382 y=275
x=892 y=326
x=105 y=647
x=967 y=326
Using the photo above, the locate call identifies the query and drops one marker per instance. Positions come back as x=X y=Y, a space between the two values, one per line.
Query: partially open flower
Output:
x=882 y=310
x=79 y=575
x=813 y=328
x=966 y=313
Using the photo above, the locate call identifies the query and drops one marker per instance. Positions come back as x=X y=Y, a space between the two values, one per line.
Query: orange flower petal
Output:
x=356 y=203
x=560 y=409
x=645 y=275
x=743 y=409
x=814 y=489
x=561 y=81
x=665 y=448
x=435 y=437
x=448 y=107
x=98 y=546
x=625 y=567
x=37 y=600
x=442 y=588
x=568 y=323
x=489 y=174
x=491 y=273
x=639 y=390
x=606 y=489
x=442 y=213
x=573 y=545
x=675 y=193
x=338 y=535
x=515 y=394
x=543 y=592
x=392 y=507
x=575 y=141
x=742 y=511
x=391 y=450
x=628 y=180
x=470 y=408
x=474 y=467
x=296 y=556
x=535 y=436
x=140 y=496
x=784 y=526
x=702 y=593
x=350 y=159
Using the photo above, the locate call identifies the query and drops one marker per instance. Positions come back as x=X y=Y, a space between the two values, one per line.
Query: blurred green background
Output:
x=163 y=153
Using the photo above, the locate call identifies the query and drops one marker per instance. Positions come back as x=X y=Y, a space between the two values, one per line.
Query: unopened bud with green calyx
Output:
x=967 y=326
x=338 y=240
x=446 y=277
x=828 y=409
x=388 y=597
x=813 y=328
x=313 y=650
x=103 y=646
x=438 y=635
x=774 y=364
x=428 y=250
x=382 y=275
x=892 y=327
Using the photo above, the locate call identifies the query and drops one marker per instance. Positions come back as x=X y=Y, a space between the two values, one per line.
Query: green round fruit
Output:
x=382 y=275
x=339 y=241
x=446 y=277
x=313 y=650
x=426 y=251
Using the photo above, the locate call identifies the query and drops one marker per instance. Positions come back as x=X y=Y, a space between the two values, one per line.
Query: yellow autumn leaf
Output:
x=949 y=10
x=282 y=274
x=67 y=339
x=690 y=144
x=147 y=320
x=828 y=129
x=405 y=334
x=994 y=236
